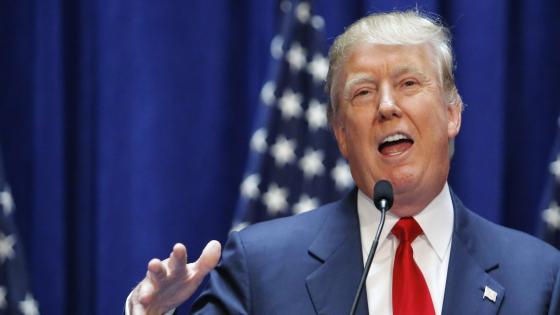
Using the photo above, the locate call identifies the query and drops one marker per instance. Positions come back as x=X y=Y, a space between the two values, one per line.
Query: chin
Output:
x=403 y=181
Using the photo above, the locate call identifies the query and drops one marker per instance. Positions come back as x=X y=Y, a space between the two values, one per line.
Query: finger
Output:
x=156 y=270
x=209 y=257
x=145 y=293
x=178 y=258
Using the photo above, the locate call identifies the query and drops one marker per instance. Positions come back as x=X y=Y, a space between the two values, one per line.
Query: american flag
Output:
x=551 y=203
x=294 y=164
x=15 y=297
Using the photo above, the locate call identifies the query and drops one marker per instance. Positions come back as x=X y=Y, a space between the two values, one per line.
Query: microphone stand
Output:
x=369 y=260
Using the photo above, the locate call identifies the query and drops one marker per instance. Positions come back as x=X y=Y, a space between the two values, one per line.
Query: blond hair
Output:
x=396 y=28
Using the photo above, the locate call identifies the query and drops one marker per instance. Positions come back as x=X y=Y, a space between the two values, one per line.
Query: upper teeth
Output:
x=396 y=137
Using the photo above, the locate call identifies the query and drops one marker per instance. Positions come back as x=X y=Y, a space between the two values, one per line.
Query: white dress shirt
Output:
x=431 y=250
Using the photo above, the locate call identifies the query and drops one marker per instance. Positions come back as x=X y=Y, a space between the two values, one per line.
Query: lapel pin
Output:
x=490 y=294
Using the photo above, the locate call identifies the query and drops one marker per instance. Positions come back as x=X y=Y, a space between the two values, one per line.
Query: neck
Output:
x=409 y=204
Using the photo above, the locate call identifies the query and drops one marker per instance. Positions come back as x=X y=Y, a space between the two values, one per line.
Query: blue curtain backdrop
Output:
x=125 y=124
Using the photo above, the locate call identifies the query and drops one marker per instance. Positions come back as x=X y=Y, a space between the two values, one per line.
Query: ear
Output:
x=454 y=112
x=340 y=135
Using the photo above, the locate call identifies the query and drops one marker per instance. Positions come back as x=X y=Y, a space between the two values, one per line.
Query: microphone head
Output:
x=383 y=190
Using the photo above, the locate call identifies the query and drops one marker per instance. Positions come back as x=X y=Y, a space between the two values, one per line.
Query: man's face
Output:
x=393 y=122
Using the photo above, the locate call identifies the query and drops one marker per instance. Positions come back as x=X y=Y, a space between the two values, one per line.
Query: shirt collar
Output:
x=436 y=220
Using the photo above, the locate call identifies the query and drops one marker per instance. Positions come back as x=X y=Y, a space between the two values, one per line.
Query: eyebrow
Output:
x=357 y=79
x=406 y=69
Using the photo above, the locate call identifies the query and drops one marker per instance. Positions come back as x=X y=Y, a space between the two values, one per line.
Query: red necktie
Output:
x=411 y=295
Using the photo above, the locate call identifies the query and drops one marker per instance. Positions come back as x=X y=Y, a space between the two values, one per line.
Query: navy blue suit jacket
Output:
x=311 y=264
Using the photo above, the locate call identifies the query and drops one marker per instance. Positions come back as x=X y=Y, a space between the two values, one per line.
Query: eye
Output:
x=362 y=96
x=409 y=83
x=362 y=92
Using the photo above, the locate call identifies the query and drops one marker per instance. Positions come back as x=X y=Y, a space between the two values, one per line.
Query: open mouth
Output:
x=395 y=144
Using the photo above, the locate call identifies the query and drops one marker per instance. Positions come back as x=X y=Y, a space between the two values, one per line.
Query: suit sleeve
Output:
x=228 y=290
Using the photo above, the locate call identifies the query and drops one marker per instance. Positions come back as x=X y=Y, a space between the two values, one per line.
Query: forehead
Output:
x=381 y=59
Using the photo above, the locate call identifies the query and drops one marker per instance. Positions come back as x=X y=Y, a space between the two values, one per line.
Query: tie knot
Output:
x=407 y=229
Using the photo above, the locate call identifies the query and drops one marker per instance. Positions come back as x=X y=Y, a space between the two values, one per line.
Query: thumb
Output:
x=209 y=257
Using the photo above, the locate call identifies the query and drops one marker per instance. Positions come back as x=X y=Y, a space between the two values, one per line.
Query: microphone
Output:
x=383 y=200
x=383 y=195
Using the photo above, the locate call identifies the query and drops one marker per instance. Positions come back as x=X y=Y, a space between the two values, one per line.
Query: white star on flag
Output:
x=296 y=57
x=312 y=163
x=258 y=141
x=305 y=204
x=6 y=247
x=286 y=6
x=290 y=104
x=275 y=199
x=276 y=47
x=7 y=201
x=342 y=176
x=13 y=275
x=303 y=12
x=250 y=186
x=555 y=168
x=318 y=68
x=29 y=306
x=283 y=151
x=316 y=115
x=267 y=93
x=317 y=22
x=552 y=216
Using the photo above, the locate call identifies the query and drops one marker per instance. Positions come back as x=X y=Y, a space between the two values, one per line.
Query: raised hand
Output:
x=170 y=282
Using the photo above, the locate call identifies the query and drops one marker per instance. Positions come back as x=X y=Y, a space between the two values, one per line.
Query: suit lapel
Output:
x=337 y=247
x=470 y=287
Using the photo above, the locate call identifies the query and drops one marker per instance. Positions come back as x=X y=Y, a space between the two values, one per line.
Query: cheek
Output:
x=435 y=121
x=361 y=120
x=438 y=140
x=358 y=143
x=359 y=137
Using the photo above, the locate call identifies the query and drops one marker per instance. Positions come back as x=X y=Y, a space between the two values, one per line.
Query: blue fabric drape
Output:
x=125 y=124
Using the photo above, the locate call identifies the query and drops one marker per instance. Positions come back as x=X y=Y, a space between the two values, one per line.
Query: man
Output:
x=394 y=111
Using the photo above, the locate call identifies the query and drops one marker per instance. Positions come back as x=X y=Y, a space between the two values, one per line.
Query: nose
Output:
x=388 y=107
